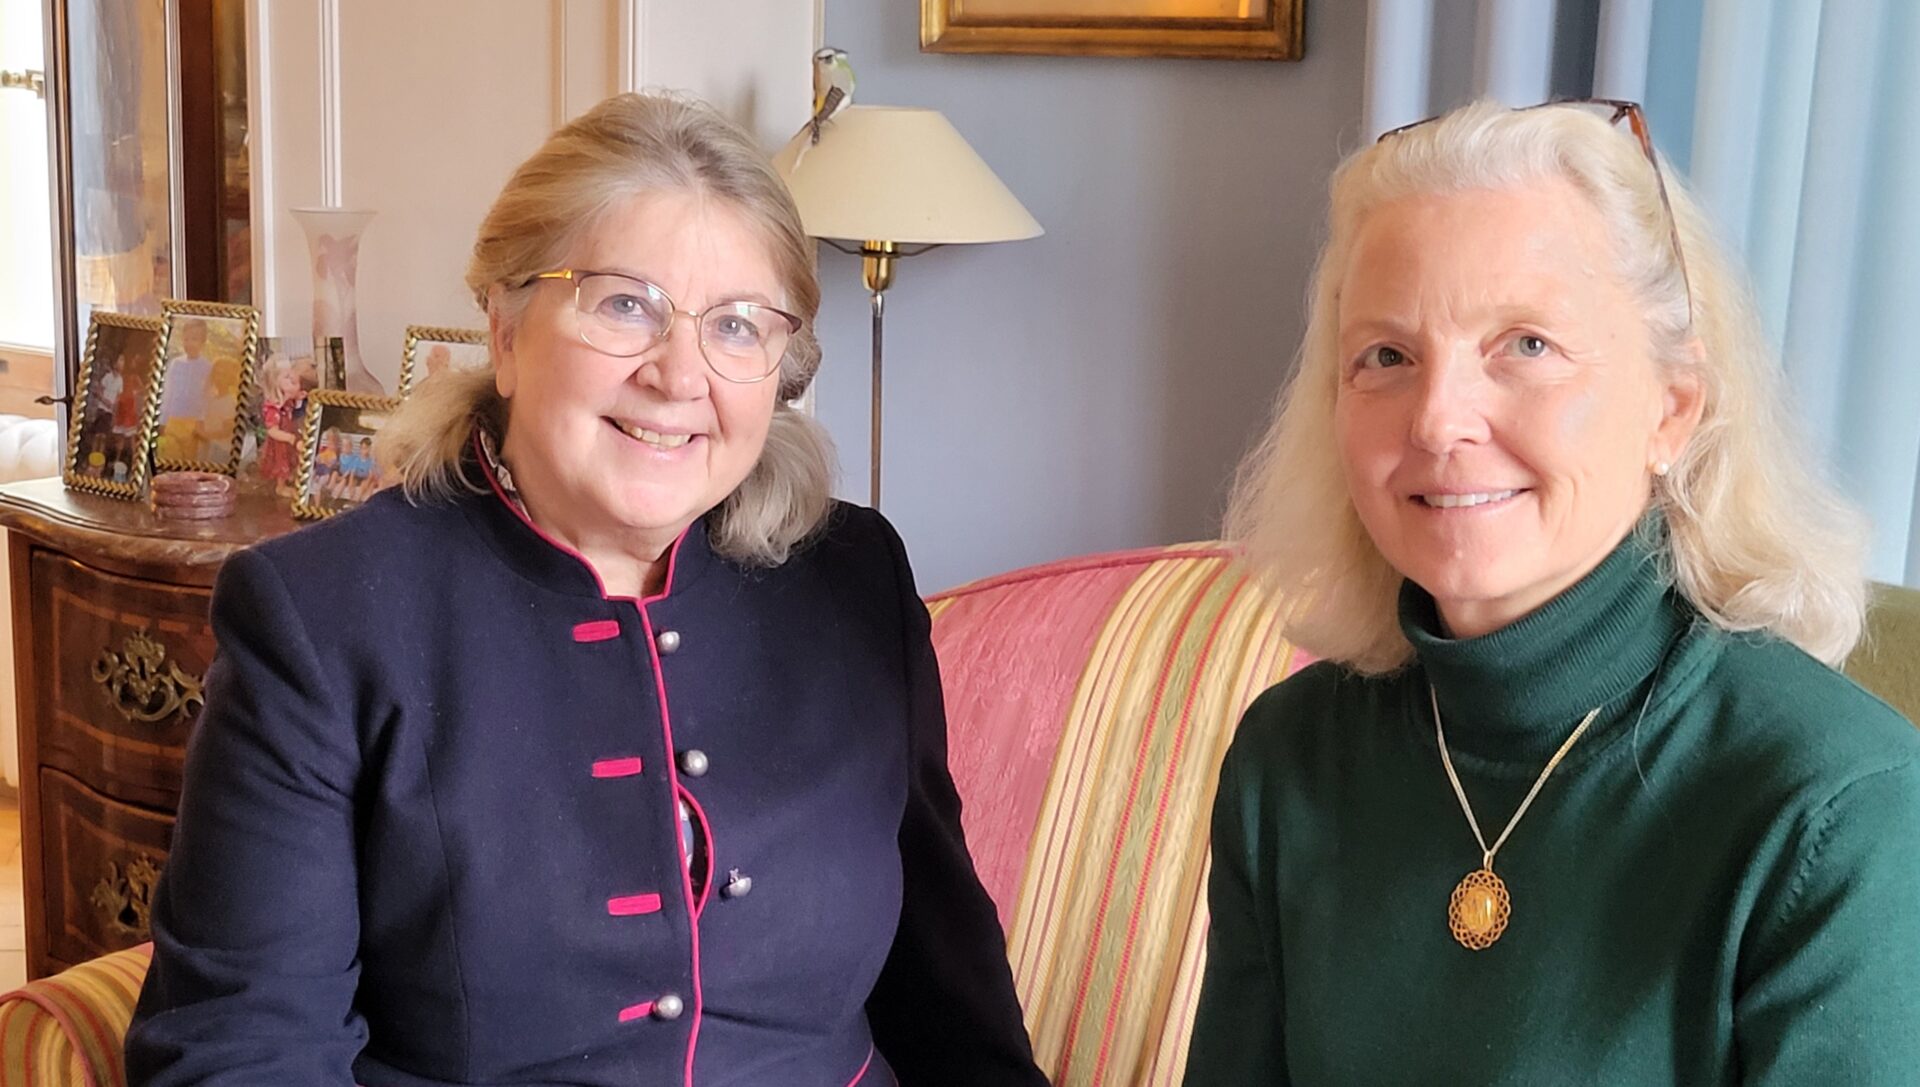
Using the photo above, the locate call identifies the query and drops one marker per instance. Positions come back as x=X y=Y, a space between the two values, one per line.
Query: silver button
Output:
x=668 y=1008
x=668 y=641
x=693 y=762
x=737 y=885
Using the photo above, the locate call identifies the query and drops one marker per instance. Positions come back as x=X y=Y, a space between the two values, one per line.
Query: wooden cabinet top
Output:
x=126 y=537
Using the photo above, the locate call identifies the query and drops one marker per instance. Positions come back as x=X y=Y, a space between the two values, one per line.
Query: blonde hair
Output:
x=632 y=145
x=1757 y=541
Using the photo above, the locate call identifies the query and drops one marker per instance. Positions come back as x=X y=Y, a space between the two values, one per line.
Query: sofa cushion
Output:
x=1089 y=703
x=1888 y=659
x=66 y=1030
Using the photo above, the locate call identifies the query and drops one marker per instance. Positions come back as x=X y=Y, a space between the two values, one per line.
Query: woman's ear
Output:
x=1683 y=402
x=506 y=375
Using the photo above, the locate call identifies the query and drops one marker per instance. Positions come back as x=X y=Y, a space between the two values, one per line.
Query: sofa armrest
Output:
x=68 y=1029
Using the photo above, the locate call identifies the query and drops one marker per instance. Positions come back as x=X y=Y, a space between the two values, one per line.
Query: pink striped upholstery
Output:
x=66 y=1030
x=1089 y=703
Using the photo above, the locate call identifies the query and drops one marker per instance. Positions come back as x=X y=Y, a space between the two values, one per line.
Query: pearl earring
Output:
x=1662 y=468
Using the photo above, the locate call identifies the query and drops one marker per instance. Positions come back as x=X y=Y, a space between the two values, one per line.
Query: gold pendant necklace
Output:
x=1481 y=907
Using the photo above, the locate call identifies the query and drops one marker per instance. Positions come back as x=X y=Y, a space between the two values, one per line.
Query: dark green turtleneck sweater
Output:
x=1720 y=885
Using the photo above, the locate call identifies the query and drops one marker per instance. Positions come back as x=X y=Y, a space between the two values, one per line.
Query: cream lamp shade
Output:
x=884 y=178
x=899 y=175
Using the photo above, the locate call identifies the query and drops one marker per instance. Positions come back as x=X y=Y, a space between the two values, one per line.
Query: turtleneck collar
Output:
x=1518 y=691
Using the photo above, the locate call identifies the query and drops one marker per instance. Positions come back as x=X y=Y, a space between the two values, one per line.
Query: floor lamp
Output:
x=885 y=183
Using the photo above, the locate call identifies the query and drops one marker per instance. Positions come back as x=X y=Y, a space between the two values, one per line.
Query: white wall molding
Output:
x=348 y=108
x=176 y=166
x=260 y=165
x=332 y=164
x=632 y=30
x=756 y=66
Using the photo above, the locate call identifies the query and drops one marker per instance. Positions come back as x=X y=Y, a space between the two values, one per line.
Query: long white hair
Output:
x=1758 y=541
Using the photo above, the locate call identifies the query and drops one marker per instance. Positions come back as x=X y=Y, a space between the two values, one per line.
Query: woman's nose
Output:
x=676 y=366
x=1450 y=407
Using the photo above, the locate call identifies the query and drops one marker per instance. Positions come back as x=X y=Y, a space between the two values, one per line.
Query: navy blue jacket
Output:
x=429 y=832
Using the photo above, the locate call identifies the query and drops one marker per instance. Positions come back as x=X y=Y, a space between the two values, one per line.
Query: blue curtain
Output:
x=1797 y=122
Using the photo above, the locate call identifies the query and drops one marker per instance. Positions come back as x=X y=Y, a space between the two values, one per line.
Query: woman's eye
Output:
x=1383 y=357
x=624 y=306
x=735 y=328
x=1529 y=347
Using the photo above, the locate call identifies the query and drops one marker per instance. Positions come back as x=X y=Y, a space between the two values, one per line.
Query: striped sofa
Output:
x=1090 y=702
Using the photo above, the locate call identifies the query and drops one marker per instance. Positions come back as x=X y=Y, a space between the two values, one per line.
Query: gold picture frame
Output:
x=110 y=418
x=441 y=340
x=330 y=415
x=1214 y=29
x=203 y=392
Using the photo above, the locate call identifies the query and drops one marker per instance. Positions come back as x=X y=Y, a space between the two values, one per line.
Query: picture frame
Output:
x=431 y=348
x=206 y=374
x=330 y=356
x=337 y=471
x=288 y=373
x=1213 y=29
x=110 y=434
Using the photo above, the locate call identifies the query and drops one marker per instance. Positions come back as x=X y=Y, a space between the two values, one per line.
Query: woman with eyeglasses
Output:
x=606 y=749
x=1576 y=795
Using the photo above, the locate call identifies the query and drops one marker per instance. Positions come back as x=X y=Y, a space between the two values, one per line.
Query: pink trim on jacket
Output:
x=633 y=905
x=862 y=1074
x=617 y=768
x=673 y=779
x=597 y=630
x=636 y=1011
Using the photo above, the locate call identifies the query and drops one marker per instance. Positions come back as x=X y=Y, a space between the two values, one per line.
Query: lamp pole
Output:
x=876 y=269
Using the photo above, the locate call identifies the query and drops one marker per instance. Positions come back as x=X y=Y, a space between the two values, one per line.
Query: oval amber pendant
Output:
x=1479 y=910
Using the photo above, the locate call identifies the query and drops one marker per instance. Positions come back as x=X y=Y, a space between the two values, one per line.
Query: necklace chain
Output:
x=1487 y=851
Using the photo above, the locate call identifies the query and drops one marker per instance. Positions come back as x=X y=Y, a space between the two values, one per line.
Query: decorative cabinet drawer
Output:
x=119 y=684
x=111 y=642
x=102 y=860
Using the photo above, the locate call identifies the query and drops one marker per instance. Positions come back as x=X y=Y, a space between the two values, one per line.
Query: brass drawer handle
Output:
x=145 y=685
x=125 y=895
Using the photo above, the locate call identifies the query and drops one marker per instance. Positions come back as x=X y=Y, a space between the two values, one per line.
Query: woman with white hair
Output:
x=1576 y=795
x=607 y=749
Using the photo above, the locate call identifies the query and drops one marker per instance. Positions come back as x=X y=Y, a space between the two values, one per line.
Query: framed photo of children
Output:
x=207 y=369
x=337 y=471
x=112 y=427
x=431 y=350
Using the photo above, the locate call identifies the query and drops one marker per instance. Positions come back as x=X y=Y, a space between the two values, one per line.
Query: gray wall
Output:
x=1093 y=388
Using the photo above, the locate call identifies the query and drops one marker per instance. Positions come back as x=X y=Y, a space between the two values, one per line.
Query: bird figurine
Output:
x=832 y=89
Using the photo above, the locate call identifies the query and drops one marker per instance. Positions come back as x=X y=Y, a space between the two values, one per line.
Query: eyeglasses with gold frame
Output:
x=624 y=316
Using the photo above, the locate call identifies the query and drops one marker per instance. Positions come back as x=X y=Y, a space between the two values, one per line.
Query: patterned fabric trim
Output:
x=68 y=1029
x=1107 y=936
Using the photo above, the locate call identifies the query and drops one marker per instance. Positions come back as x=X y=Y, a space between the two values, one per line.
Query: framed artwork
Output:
x=206 y=373
x=1240 y=29
x=111 y=433
x=431 y=350
x=337 y=471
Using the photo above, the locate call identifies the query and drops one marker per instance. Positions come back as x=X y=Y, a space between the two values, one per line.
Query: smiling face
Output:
x=625 y=453
x=1499 y=407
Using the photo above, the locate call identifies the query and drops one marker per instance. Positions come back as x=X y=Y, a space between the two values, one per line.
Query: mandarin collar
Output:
x=501 y=519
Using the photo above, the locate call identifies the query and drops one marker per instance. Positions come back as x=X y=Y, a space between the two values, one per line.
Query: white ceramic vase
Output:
x=333 y=244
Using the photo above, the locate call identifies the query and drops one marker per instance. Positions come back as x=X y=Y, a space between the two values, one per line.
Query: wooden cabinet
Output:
x=111 y=645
